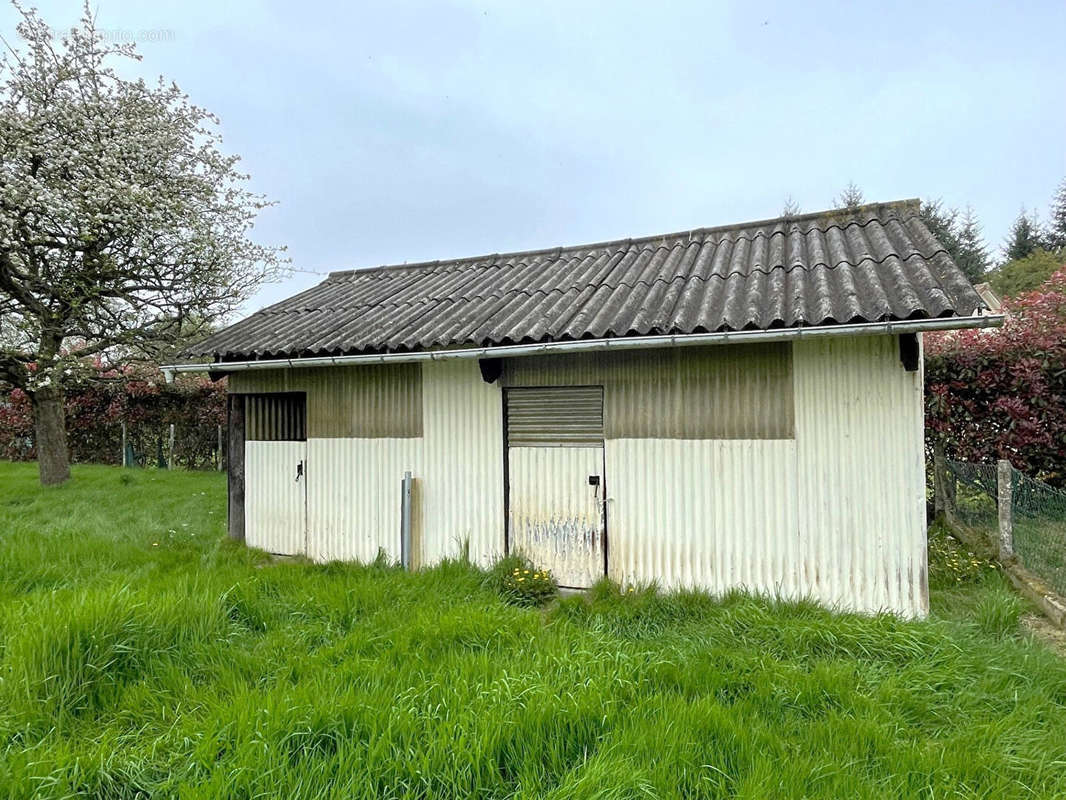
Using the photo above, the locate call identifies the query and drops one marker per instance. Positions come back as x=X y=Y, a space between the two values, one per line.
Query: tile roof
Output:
x=874 y=263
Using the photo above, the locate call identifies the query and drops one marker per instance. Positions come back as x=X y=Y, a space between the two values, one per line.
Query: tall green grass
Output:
x=142 y=656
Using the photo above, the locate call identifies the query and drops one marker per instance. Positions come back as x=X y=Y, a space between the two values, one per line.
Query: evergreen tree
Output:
x=1056 y=232
x=960 y=235
x=971 y=254
x=942 y=223
x=850 y=197
x=1024 y=238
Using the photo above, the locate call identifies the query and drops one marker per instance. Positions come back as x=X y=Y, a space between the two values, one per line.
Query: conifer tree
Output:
x=1056 y=229
x=971 y=254
x=1024 y=237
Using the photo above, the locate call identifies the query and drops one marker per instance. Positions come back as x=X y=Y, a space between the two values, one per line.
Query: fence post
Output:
x=219 y=448
x=170 y=452
x=940 y=481
x=1005 y=474
x=124 y=444
x=405 y=522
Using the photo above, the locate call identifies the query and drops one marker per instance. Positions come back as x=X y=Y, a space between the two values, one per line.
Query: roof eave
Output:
x=617 y=343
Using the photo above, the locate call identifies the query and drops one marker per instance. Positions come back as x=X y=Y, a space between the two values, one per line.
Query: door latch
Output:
x=594 y=480
x=299 y=470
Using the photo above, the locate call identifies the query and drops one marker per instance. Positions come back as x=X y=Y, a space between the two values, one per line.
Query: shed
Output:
x=727 y=407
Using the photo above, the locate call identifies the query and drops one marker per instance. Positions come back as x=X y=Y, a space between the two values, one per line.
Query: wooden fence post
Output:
x=219 y=448
x=235 y=466
x=1005 y=474
x=940 y=480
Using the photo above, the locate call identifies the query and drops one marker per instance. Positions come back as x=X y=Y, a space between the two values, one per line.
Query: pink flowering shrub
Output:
x=1001 y=392
x=102 y=399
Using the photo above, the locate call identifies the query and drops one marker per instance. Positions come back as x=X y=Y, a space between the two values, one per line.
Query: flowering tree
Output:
x=1001 y=393
x=121 y=222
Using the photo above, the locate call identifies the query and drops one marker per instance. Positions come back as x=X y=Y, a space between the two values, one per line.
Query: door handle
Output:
x=299 y=470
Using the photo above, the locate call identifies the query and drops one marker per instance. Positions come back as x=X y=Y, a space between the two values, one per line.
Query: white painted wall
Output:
x=861 y=467
x=702 y=513
x=836 y=514
x=353 y=496
x=461 y=476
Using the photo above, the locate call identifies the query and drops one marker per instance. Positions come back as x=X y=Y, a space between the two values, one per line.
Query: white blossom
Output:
x=122 y=222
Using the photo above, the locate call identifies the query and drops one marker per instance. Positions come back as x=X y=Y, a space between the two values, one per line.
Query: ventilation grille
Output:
x=565 y=416
x=275 y=417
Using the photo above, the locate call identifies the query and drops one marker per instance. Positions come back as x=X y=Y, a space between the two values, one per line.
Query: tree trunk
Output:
x=49 y=418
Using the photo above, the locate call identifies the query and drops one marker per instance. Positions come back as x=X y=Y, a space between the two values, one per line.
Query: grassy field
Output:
x=142 y=656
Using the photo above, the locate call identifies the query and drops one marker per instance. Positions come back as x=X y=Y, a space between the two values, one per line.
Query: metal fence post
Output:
x=124 y=444
x=219 y=450
x=405 y=522
x=170 y=454
x=1005 y=475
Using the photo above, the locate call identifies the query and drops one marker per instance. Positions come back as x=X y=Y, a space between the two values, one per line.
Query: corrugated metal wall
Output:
x=274 y=500
x=739 y=391
x=712 y=514
x=353 y=496
x=461 y=480
x=837 y=514
x=860 y=459
x=370 y=401
x=833 y=510
x=354 y=480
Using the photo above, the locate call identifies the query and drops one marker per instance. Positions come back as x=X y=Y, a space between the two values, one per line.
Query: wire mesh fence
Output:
x=1035 y=526
x=973 y=496
x=1038 y=515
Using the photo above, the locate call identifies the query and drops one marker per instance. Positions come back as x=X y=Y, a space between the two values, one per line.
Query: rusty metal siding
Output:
x=370 y=401
x=558 y=416
x=460 y=479
x=742 y=391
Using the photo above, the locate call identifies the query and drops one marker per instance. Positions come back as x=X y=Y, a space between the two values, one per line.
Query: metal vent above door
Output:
x=563 y=416
x=280 y=417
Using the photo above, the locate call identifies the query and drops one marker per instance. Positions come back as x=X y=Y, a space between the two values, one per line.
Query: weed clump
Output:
x=951 y=563
x=519 y=582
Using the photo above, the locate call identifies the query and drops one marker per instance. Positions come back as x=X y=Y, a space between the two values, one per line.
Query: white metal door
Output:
x=556 y=481
x=275 y=496
x=275 y=472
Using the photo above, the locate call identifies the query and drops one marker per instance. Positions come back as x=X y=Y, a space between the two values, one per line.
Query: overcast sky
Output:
x=407 y=131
